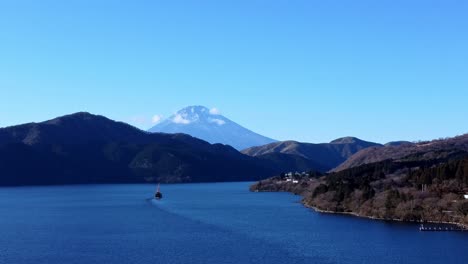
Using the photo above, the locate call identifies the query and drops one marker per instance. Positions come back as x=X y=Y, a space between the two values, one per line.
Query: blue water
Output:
x=201 y=223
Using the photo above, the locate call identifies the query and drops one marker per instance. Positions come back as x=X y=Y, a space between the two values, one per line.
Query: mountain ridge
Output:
x=83 y=148
x=329 y=155
x=396 y=151
x=87 y=148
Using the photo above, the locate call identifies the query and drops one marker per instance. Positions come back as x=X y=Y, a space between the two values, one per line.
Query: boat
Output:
x=158 y=194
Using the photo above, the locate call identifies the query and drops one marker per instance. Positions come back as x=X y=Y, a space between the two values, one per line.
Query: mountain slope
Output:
x=430 y=149
x=412 y=188
x=290 y=162
x=76 y=128
x=200 y=122
x=85 y=148
x=398 y=143
x=328 y=155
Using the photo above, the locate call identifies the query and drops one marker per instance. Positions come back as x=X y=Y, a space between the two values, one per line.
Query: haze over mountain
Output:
x=327 y=155
x=209 y=125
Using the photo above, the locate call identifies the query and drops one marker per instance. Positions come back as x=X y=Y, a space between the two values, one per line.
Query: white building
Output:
x=466 y=196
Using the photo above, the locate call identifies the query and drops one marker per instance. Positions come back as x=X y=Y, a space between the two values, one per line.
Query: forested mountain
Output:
x=86 y=148
x=415 y=188
x=327 y=155
x=396 y=151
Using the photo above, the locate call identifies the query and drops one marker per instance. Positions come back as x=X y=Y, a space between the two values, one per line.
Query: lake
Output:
x=201 y=223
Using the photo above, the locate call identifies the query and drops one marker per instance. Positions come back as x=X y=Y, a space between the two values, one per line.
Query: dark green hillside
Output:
x=413 y=188
x=85 y=148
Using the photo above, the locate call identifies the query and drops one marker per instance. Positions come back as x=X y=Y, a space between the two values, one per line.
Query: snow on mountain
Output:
x=211 y=126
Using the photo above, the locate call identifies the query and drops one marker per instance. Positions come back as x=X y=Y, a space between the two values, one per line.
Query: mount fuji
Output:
x=209 y=125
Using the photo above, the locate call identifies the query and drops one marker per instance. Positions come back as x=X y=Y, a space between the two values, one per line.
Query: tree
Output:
x=322 y=188
x=463 y=208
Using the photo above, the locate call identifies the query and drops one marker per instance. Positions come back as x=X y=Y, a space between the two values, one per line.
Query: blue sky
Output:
x=304 y=70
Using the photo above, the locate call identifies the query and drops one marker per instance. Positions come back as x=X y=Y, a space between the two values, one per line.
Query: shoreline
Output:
x=354 y=214
x=383 y=219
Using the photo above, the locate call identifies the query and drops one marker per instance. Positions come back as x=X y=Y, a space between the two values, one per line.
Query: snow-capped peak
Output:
x=193 y=114
x=210 y=125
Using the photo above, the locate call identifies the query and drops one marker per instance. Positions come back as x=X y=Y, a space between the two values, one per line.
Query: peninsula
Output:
x=421 y=187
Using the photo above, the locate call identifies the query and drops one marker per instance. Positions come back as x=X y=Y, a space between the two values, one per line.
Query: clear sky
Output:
x=304 y=70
